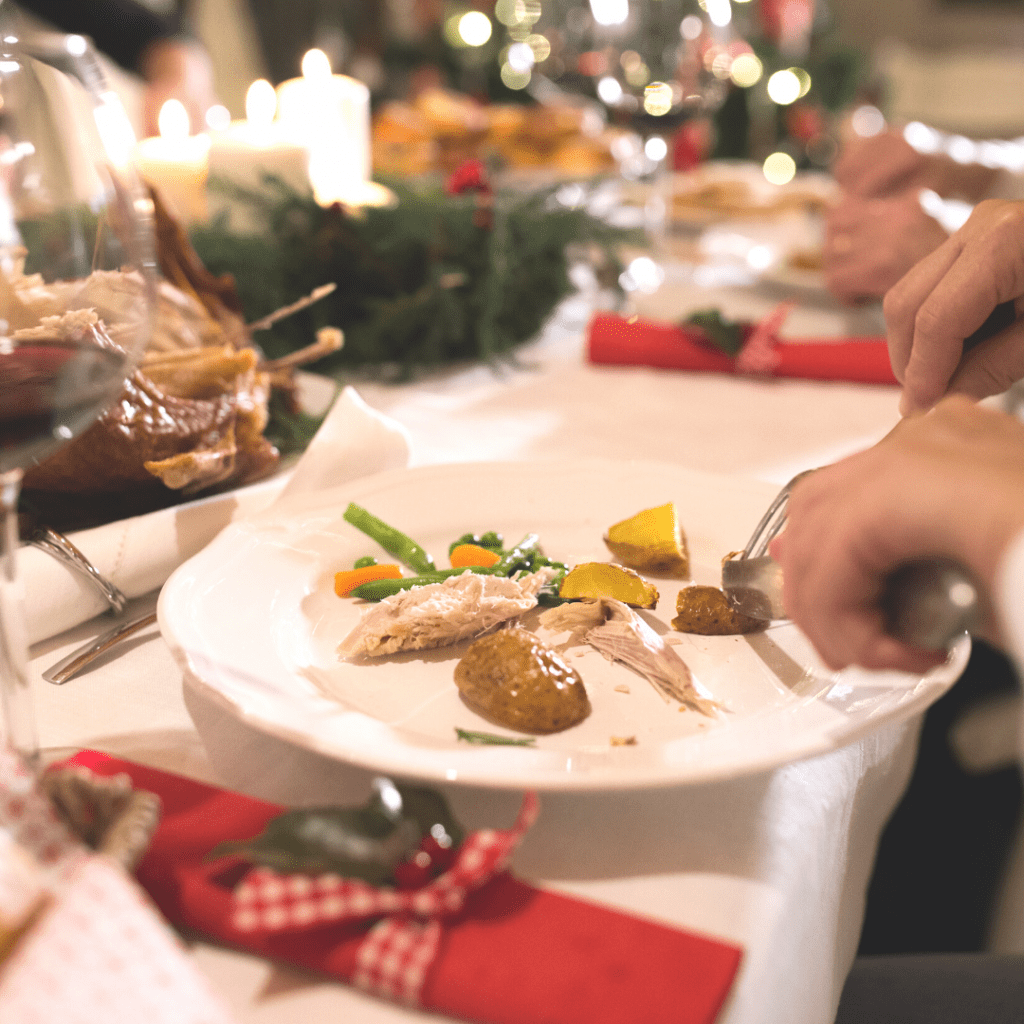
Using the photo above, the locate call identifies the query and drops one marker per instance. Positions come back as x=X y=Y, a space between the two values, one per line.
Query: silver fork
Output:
x=926 y=602
x=59 y=546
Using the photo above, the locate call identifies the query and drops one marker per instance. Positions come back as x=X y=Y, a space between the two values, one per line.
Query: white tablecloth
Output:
x=778 y=862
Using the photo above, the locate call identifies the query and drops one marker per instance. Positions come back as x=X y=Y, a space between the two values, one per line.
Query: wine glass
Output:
x=653 y=65
x=77 y=286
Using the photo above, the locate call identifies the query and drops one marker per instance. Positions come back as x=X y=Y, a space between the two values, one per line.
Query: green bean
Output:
x=519 y=557
x=393 y=541
x=377 y=590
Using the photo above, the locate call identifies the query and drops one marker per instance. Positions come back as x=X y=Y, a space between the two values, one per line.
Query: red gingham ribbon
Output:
x=758 y=354
x=396 y=954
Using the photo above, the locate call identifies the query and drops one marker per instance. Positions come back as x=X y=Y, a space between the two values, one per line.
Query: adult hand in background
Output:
x=886 y=164
x=949 y=483
x=871 y=243
x=946 y=297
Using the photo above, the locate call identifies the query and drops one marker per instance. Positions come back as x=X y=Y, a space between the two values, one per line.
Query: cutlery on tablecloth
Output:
x=927 y=602
x=54 y=543
x=77 y=660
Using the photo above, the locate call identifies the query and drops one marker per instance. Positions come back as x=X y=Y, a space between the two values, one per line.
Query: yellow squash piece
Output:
x=706 y=610
x=651 y=541
x=605 y=579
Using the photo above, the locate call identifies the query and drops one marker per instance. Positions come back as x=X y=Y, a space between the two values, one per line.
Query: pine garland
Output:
x=436 y=278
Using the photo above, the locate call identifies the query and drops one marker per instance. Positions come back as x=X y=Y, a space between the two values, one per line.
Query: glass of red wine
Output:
x=77 y=287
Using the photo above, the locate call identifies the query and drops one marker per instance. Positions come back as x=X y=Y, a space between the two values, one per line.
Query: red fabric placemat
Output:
x=615 y=340
x=515 y=954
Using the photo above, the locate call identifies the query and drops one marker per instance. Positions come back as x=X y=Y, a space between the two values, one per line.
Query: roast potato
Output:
x=512 y=678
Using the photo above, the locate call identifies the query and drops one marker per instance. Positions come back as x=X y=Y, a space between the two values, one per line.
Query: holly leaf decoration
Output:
x=725 y=335
x=367 y=842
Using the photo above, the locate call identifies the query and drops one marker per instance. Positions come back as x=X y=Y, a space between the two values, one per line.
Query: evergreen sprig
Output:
x=425 y=282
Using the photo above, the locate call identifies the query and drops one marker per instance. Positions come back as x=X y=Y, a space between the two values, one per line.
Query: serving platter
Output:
x=255 y=623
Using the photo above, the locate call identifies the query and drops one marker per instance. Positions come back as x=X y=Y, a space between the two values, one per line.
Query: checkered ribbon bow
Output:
x=394 y=958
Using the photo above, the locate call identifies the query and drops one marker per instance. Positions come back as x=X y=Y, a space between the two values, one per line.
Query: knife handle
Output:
x=929 y=603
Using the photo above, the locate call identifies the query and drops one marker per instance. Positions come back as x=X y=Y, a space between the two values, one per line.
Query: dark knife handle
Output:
x=929 y=603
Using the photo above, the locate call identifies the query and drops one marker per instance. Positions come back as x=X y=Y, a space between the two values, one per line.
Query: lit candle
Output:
x=247 y=151
x=331 y=114
x=174 y=163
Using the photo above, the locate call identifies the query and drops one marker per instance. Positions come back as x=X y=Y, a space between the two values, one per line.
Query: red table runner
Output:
x=513 y=954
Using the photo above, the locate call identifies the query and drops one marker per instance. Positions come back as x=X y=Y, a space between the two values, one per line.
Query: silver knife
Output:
x=927 y=603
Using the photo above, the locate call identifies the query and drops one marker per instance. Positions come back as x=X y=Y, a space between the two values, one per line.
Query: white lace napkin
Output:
x=138 y=554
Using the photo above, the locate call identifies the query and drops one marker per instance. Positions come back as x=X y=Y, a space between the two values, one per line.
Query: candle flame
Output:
x=316 y=66
x=173 y=121
x=260 y=103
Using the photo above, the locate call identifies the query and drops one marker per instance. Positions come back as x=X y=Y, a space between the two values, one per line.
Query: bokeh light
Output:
x=609 y=90
x=474 y=28
x=514 y=79
x=609 y=12
x=656 y=149
x=867 y=121
x=922 y=138
x=541 y=47
x=746 y=70
x=218 y=118
x=520 y=57
x=783 y=87
x=691 y=27
x=779 y=168
x=658 y=99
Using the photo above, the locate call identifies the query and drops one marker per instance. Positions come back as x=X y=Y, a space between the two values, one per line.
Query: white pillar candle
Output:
x=175 y=163
x=247 y=151
x=331 y=114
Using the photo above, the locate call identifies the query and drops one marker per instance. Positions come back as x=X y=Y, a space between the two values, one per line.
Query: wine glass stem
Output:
x=18 y=716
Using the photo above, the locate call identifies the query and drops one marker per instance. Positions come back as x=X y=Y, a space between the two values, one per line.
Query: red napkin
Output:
x=635 y=342
x=513 y=955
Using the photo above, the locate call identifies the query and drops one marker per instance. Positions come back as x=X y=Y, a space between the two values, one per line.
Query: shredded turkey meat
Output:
x=614 y=629
x=458 y=608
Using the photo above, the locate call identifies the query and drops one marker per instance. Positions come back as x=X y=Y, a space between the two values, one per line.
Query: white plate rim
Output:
x=492 y=767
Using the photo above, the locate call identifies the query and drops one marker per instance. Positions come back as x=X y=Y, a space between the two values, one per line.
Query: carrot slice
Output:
x=473 y=554
x=348 y=579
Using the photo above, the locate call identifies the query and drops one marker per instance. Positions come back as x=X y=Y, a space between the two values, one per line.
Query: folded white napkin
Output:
x=138 y=554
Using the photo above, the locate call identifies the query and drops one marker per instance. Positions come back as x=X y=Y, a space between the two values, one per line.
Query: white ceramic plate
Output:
x=254 y=621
